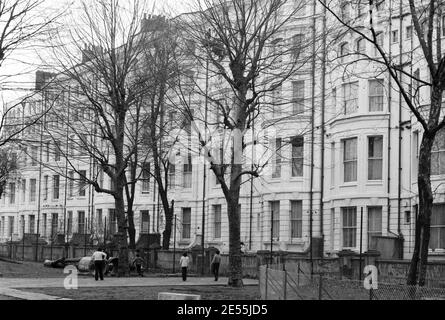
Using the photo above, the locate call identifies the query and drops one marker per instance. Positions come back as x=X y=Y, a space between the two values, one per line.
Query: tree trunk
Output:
x=131 y=227
x=425 y=202
x=412 y=273
x=419 y=260
x=166 y=235
x=123 y=266
x=235 y=262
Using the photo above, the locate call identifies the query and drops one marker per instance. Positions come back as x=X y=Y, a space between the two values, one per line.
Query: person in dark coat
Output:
x=138 y=262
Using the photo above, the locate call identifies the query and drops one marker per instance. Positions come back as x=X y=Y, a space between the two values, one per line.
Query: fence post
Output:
x=370 y=294
x=265 y=294
x=284 y=283
x=320 y=287
x=298 y=274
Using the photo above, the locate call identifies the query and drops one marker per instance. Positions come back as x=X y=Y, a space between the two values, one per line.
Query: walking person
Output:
x=184 y=263
x=99 y=263
x=216 y=261
x=138 y=261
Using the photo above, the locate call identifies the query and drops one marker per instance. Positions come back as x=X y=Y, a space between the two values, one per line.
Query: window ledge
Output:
x=437 y=177
x=349 y=248
x=274 y=241
x=436 y=252
x=215 y=242
x=375 y=183
x=297 y=241
x=353 y=116
x=349 y=184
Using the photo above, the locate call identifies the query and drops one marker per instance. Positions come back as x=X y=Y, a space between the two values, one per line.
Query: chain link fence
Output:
x=279 y=284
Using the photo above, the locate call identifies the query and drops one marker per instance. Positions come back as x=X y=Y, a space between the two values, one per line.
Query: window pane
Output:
x=296 y=219
x=350 y=160
x=375 y=169
x=275 y=212
x=187 y=175
x=375 y=158
x=145 y=221
x=437 y=240
x=145 y=177
x=376 y=95
x=186 y=222
x=438 y=154
x=435 y=166
x=350 y=149
x=375 y=147
x=349 y=216
x=277 y=159
x=298 y=96
x=375 y=219
x=350 y=91
x=217 y=221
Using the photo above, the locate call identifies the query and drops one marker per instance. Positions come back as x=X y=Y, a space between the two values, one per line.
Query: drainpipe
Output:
x=399 y=187
x=251 y=184
x=311 y=193
x=323 y=129
x=411 y=115
x=388 y=227
x=42 y=126
x=65 y=237
x=154 y=205
x=204 y=179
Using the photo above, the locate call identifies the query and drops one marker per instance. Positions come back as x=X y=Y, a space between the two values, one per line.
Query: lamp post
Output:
x=271 y=237
x=42 y=127
x=23 y=240
x=204 y=184
x=251 y=183
x=148 y=239
x=361 y=243
x=174 y=244
x=310 y=241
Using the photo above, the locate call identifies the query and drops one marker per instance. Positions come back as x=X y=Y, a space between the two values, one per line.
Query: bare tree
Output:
x=22 y=27
x=106 y=94
x=426 y=21
x=249 y=47
x=8 y=165
x=161 y=59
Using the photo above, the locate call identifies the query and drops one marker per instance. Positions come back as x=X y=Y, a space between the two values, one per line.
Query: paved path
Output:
x=23 y=295
x=8 y=286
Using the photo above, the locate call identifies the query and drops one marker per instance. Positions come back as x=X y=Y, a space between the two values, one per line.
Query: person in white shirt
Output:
x=99 y=264
x=184 y=263
x=216 y=261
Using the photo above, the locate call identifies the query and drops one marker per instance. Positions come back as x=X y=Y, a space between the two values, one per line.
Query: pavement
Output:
x=9 y=286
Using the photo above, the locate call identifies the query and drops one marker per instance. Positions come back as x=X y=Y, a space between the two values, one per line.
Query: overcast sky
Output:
x=18 y=71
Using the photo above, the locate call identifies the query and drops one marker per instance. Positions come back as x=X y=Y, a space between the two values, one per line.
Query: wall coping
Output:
x=436 y=262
